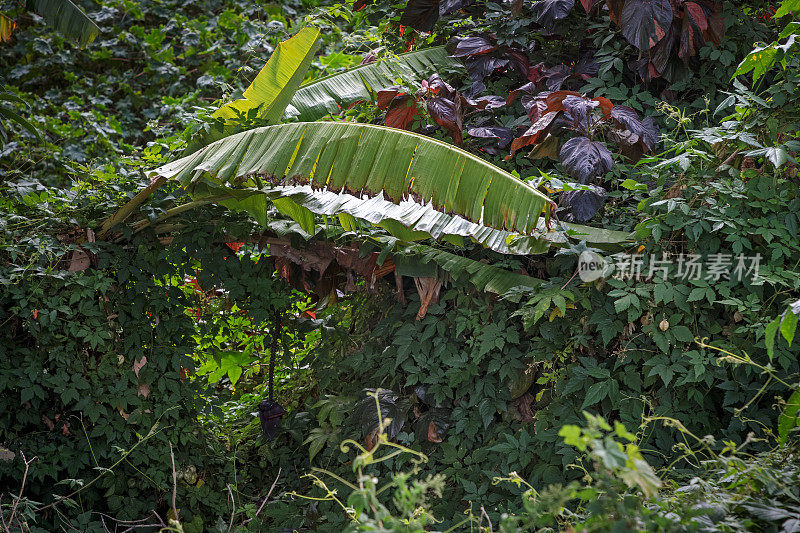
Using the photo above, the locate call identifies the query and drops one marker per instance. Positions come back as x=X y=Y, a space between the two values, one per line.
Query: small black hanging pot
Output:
x=270 y=413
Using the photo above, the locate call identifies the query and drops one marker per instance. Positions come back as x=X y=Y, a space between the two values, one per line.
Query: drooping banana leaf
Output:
x=67 y=19
x=363 y=160
x=271 y=91
x=330 y=94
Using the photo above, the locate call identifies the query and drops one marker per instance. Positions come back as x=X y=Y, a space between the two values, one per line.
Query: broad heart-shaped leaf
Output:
x=583 y=204
x=67 y=19
x=330 y=94
x=579 y=110
x=645 y=22
x=271 y=90
x=365 y=160
x=584 y=159
x=549 y=11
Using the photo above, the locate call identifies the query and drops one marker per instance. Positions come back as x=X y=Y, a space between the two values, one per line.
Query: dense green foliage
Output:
x=140 y=354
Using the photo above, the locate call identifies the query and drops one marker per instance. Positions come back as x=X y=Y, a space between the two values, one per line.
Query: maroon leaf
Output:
x=420 y=14
x=528 y=88
x=605 y=105
x=588 y=5
x=662 y=53
x=401 y=112
x=447 y=114
x=536 y=72
x=477 y=44
x=645 y=22
x=535 y=132
x=554 y=99
x=615 y=10
x=584 y=159
x=693 y=29
x=385 y=96
x=549 y=11
x=518 y=60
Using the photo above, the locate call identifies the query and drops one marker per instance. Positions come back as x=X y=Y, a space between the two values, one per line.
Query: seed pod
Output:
x=664 y=325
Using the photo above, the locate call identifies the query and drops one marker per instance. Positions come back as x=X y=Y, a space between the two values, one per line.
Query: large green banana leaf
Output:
x=330 y=94
x=67 y=19
x=272 y=89
x=365 y=161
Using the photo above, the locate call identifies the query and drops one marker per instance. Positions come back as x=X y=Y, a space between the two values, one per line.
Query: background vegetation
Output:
x=518 y=398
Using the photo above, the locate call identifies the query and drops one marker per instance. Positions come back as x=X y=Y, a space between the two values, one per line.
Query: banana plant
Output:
x=320 y=97
x=413 y=186
x=271 y=91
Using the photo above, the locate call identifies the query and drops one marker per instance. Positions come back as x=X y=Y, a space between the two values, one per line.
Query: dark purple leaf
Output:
x=556 y=76
x=448 y=6
x=420 y=14
x=447 y=114
x=518 y=60
x=480 y=66
x=578 y=110
x=645 y=22
x=584 y=159
x=586 y=68
x=489 y=102
x=549 y=11
x=528 y=88
x=583 y=205
x=503 y=135
x=535 y=106
x=439 y=87
x=476 y=44
x=626 y=119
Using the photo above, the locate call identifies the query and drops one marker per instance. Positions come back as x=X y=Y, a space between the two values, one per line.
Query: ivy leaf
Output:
x=595 y=394
x=789 y=418
x=788 y=327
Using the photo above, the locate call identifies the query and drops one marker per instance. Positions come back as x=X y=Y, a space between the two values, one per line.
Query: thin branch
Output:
x=266 y=498
x=483 y=513
x=233 y=512
x=21 y=489
x=174 y=482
